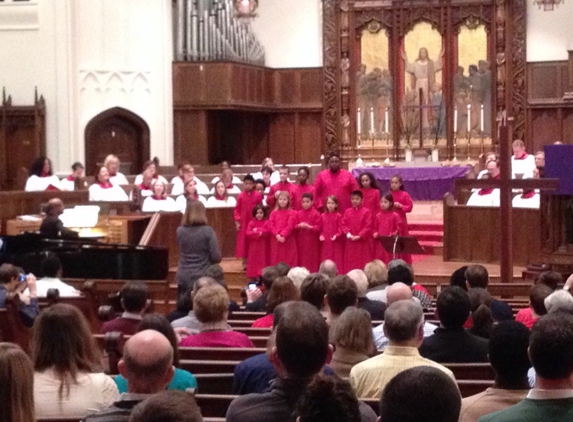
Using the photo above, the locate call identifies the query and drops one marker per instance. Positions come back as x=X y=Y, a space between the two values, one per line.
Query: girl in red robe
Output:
x=302 y=188
x=402 y=205
x=258 y=234
x=309 y=226
x=388 y=223
x=357 y=226
x=243 y=213
x=331 y=234
x=282 y=222
x=371 y=201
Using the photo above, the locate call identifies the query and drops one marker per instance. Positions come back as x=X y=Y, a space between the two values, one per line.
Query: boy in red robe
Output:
x=357 y=227
x=309 y=226
x=258 y=234
x=243 y=213
x=282 y=186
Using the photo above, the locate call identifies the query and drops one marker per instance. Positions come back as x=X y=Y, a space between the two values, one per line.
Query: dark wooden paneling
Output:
x=282 y=138
x=308 y=146
x=191 y=140
x=546 y=80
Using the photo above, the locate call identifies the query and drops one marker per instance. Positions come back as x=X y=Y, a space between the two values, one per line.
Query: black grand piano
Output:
x=84 y=259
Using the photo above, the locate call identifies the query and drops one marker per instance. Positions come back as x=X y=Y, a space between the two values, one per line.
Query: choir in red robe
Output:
x=282 y=222
x=242 y=213
x=357 y=221
x=308 y=243
x=403 y=198
x=387 y=223
x=297 y=192
x=258 y=236
x=278 y=187
x=334 y=181
x=332 y=249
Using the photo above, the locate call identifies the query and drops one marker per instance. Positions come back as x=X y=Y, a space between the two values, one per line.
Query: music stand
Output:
x=402 y=245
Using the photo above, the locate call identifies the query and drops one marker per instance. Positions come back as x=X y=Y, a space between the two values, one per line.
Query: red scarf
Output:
x=161 y=198
x=143 y=187
x=483 y=192
x=523 y=157
x=43 y=174
x=220 y=198
x=70 y=178
x=106 y=186
x=528 y=194
x=230 y=186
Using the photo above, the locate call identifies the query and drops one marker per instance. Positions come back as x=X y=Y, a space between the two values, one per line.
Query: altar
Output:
x=427 y=183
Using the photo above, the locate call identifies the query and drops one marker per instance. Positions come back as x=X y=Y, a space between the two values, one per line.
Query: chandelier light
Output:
x=547 y=4
x=245 y=10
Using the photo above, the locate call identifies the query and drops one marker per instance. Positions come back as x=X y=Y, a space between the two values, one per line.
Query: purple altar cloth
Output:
x=422 y=183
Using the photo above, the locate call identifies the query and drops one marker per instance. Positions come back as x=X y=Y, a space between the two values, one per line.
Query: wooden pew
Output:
x=219 y=353
x=11 y=327
x=215 y=383
x=472 y=371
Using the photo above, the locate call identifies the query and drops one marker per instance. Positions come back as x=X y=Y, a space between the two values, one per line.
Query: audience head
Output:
x=551 y=347
x=9 y=276
x=353 y=331
x=458 y=278
x=398 y=291
x=269 y=275
x=216 y=272
x=361 y=281
x=17 y=386
x=453 y=307
x=211 y=304
x=537 y=296
x=551 y=279
x=147 y=362
x=404 y=323
x=62 y=341
x=167 y=406
x=340 y=294
x=401 y=273
x=328 y=399
x=55 y=207
x=41 y=166
x=477 y=276
x=420 y=394
x=559 y=301
x=297 y=275
x=328 y=268
x=282 y=290
x=376 y=273
x=51 y=266
x=283 y=268
x=313 y=289
x=161 y=324
x=480 y=302
x=134 y=296
x=203 y=282
x=507 y=353
x=195 y=214
x=301 y=342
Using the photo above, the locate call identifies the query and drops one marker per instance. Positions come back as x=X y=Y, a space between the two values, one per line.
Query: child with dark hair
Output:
x=331 y=235
x=402 y=205
x=282 y=221
x=258 y=235
x=301 y=188
x=308 y=225
x=386 y=223
x=357 y=227
x=243 y=213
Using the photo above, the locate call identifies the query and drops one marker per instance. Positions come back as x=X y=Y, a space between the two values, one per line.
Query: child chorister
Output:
x=309 y=226
x=331 y=235
x=402 y=205
x=258 y=236
x=357 y=227
x=387 y=223
x=243 y=213
x=282 y=222
x=371 y=199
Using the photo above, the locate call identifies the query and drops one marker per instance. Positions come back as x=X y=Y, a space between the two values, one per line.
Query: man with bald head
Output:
x=403 y=325
x=375 y=308
x=52 y=227
x=328 y=268
x=147 y=365
x=395 y=292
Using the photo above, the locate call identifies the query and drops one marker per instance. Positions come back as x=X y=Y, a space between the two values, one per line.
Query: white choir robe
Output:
x=275 y=177
x=488 y=200
x=155 y=205
x=37 y=183
x=234 y=189
x=213 y=202
x=525 y=166
x=181 y=202
x=520 y=202
x=115 y=193
x=118 y=179
x=235 y=180
x=139 y=179
x=178 y=187
x=67 y=183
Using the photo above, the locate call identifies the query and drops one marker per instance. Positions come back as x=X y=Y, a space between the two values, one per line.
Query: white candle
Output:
x=481 y=119
x=469 y=118
x=455 y=119
x=372 y=120
x=386 y=120
x=358 y=121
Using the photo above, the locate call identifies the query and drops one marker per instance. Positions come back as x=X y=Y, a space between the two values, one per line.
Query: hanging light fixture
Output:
x=245 y=10
x=547 y=4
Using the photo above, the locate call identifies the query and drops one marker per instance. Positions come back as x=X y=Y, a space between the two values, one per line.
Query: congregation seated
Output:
x=149 y=168
x=221 y=197
x=134 y=302
x=186 y=172
x=10 y=284
x=190 y=321
x=52 y=271
x=17 y=391
x=529 y=316
x=111 y=162
x=313 y=289
x=41 y=176
x=257 y=299
x=478 y=276
x=377 y=275
x=227 y=179
x=171 y=406
x=451 y=343
x=403 y=326
x=68 y=381
x=69 y=183
x=147 y=365
x=487 y=197
x=182 y=380
x=104 y=189
x=211 y=307
x=328 y=268
x=52 y=227
x=189 y=194
x=215 y=271
x=297 y=275
x=480 y=323
x=159 y=201
x=282 y=290
x=340 y=294
x=373 y=307
x=225 y=165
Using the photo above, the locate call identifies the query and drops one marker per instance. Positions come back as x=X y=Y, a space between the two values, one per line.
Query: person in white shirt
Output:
x=225 y=165
x=111 y=162
x=268 y=166
x=528 y=199
x=186 y=173
x=522 y=162
x=151 y=168
x=104 y=190
x=146 y=185
x=52 y=271
x=190 y=194
x=41 y=177
x=159 y=201
x=221 y=197
x=227 y=179
x=487 y=197
x=490 y=156
x=69 y=183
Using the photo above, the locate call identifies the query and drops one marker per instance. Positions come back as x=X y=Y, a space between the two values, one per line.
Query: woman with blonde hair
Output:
x=16 y=385
x=68 y=379
x=111 y=162
x=351 y=335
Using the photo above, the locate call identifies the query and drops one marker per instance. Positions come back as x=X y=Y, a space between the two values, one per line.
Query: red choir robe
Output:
x=258 y=235
x=297 y=192
x=403 y=197
x=371 y=201
x=307 y=240
x=332 y=249
x=387 y=223
x=243 y=212
x=358 y=253
x=340 y=184
x=278 y=187
x=282 y=222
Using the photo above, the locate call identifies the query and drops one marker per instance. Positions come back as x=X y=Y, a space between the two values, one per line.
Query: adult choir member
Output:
x=301 y=188
x=268 y=164
x=282 y=186
x=221 y=199
x=41 y=177
x=488 y=157
x=357 y=227
x=146 y=185
x=334 y=181
x=225 y=165
x=52 y=227
x=149 y=167
x=186 y=173
x=522 y=162
x=487 y=197
x=69 y=183
x=403 y=205
x=159 y=201
x=111 y=162
x=104 y=190
x=190 y=194
x=527 y=199
x=308 y=226
x=242 y=213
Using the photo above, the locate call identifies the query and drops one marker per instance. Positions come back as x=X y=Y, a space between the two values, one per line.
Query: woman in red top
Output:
x=283 y=242
x=387 y=223
x=283 y=290
x=402 y=205
x=258 y=234
x=331 y=235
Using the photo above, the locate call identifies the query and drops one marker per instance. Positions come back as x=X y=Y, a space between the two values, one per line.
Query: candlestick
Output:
x=372 y=120
x=469 y=119
x=386 y=120
x=455 y=120
x=358 y=122
x=481 y=119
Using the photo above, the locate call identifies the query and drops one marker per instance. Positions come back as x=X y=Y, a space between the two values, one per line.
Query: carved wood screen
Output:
x=343 y=21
